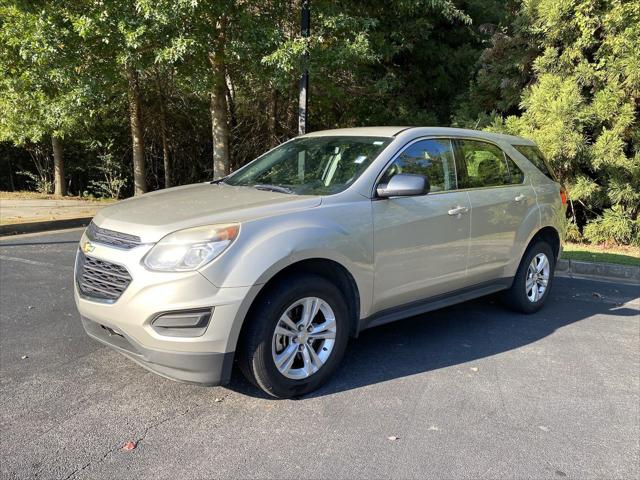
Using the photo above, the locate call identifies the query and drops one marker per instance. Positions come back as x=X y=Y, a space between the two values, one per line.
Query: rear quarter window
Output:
x=535 y=156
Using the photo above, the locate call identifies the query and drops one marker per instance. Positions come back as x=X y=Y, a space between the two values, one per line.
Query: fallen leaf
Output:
x=129 y=446
x=392 y=438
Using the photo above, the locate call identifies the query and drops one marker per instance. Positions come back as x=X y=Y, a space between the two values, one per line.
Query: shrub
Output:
x=113 y=179
x=573 y=232
x=615 y=226
x=40 y=183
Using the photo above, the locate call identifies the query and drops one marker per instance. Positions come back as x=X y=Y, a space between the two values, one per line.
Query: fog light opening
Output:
x=188 y=323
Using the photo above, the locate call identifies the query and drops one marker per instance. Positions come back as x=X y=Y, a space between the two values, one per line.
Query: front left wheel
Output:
x=295 y=337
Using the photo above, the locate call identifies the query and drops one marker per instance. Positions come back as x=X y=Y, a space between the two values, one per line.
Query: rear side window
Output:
x=535 y=156
x=433 y=158
x=483 y=164
x=516 y=176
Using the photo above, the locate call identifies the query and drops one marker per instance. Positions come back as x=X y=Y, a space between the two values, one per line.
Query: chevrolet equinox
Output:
x=277 y=265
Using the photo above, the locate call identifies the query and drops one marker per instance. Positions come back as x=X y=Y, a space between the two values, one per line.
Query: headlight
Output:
x=191 y=248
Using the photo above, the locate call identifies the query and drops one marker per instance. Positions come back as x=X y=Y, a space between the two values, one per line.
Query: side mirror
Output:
x=404 y=185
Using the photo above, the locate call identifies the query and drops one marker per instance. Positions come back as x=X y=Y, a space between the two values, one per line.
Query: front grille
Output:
x=99 y=279
x=112 y=238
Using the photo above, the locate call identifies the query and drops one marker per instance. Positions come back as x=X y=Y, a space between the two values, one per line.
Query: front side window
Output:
x=483 y=164
x=432 y=158
x=311 y=165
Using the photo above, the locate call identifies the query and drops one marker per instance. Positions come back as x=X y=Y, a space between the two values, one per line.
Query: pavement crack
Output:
x=84 y=467
x=139 y=439
x=163 y=421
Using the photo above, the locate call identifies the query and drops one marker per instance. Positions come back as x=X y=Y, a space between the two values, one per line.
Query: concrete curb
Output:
x=34 y=227
x=629 y=274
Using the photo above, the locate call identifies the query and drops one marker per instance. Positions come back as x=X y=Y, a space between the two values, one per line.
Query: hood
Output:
x=154 y=215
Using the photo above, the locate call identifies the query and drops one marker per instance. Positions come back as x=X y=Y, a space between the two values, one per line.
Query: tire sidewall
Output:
x=519 y=285
x=270 y=311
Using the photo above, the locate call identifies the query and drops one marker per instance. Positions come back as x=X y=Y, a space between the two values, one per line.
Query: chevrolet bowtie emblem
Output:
x=88 y=247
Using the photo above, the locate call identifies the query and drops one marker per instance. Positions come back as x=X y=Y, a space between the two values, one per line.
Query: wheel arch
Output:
x=550 y=235
x=327 y=268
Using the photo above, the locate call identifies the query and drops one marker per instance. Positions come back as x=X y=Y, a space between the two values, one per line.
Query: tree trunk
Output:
x=60 y=186
x=219 y=113
x=137 y=140
x=165 y=141
x=272 y=120
x=233 y=119
x=231 y=95
x=12 y=184
x=165 y=154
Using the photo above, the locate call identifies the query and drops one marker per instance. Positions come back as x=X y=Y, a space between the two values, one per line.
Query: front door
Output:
x=421 y=242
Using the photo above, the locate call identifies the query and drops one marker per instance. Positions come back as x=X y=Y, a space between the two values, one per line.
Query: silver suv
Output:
x=330 y=233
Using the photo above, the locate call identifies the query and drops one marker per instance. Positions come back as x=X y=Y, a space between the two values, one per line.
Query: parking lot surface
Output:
x=472 y=391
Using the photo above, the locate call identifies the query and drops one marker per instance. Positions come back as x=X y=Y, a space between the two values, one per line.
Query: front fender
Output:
x=266 y=246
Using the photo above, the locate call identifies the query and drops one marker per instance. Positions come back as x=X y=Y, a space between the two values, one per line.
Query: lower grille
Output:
x=100 y=279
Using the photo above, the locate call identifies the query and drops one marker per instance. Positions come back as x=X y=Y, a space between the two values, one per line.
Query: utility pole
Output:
x=303 y=102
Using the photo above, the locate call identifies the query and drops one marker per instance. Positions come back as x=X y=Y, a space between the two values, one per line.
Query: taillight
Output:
x=563 y=195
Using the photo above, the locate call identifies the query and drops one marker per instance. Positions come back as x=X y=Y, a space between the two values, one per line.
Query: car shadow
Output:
x=460 y=334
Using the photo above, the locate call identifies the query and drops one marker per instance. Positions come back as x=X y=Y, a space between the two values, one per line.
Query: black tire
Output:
x=516 y=296
x=255 y=351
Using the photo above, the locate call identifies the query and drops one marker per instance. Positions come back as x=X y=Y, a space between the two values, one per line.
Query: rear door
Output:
x=500 y=201
x=421 y=242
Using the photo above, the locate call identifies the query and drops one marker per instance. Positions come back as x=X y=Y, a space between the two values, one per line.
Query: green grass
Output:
x=597 y=253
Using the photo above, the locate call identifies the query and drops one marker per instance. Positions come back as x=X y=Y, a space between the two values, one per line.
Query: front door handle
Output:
x=520 y=197
x=458 y=210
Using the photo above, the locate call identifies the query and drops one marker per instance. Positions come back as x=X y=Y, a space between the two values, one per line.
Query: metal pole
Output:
x=303 y=102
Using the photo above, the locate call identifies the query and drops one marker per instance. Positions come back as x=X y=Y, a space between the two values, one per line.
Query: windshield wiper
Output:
x=273 y=188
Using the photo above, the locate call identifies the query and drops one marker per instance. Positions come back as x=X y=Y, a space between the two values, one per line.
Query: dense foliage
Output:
x=129 y=95
x=567 y=74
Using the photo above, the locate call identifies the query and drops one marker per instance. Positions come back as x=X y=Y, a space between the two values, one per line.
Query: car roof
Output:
x=392 y=131
x=359 y=131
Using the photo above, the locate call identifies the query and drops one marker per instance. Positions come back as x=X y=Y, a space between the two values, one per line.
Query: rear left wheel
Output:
x=533 y=279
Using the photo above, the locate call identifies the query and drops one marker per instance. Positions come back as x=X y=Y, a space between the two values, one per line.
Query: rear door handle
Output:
x=520 y=197
x=458 y=211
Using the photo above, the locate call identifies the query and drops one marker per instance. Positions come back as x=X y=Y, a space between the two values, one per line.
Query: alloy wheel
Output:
x=304 y=338
x=537 y=277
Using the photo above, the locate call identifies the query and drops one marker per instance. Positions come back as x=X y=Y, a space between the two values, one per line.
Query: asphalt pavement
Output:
x=472 y=391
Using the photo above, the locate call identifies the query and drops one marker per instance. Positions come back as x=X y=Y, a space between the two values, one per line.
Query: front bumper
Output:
x=192 y=367
x=125 y=324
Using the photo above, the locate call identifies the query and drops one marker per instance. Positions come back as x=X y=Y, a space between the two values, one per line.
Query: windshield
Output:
x=311 y=165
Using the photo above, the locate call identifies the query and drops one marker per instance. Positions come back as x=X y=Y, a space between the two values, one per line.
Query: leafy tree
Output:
x=40 y=97
x=580 y=102
x=117 y=49
x=191 y=89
